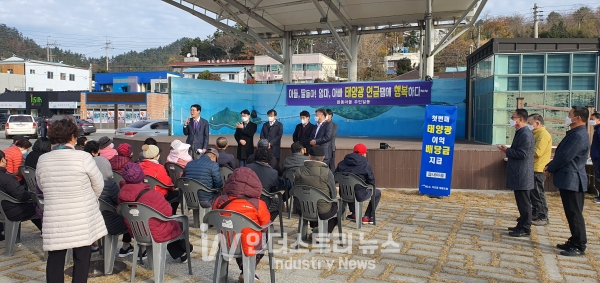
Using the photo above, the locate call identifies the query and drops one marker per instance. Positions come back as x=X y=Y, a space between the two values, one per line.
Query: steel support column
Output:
x=288 y=52
x=353 y=59
x=429 y=40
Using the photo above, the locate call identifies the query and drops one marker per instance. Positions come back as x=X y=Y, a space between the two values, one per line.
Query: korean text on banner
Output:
x=356 y=94
x=437 y=154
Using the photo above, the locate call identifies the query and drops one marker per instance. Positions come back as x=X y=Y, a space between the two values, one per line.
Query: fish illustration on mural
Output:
x=229 y=119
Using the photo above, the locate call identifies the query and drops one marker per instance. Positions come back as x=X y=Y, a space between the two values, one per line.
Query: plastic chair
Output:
x=288 y=177
x=226 y=171
x=153 y=182
x=29 y=176
x=229 y=225
x=279 y=196
x=12 y=229
x=189 y=189
x=308 y=197
x=347 y=182
x=109 y=242
x=174 y=170
x=117 y=177
x=138 y=216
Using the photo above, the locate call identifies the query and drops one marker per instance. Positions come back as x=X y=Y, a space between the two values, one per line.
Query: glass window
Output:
x=260 y=68
x=276 y=68
x=13 y=119
x=559 y=63
x=557 y=82
x=533 y=64
x=584 y=83
x=63 y=76
x=506 y=84
x=71 y=77
x=297 y=67
x=50 y=75
x=532 y=83
x=231 y=77
x=507 y=64
x=138 y=125
x=585 y=63
x=313 y=67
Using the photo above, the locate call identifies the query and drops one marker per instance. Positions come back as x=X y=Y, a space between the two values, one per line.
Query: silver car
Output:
x=147 y=128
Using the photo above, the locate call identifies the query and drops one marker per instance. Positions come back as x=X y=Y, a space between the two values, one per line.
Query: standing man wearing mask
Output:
x=595 y=148
x=303 y=130
x=196 y=130
x=273 y=131
x=334 y=125
x=541 y=157
x=244 y=135
x=519 y=171
x=322 y=134
x=568 y=168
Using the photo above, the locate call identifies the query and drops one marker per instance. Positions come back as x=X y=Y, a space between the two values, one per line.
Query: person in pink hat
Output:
x=179 y=153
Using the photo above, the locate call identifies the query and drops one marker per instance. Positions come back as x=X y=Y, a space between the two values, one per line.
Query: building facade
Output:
x=390 y=63
x=193 y=62
x=131 y=81
x=306 y=68
x=47 y=76
x=551 y=75
x=106 y=108
x=40 y=103
x=227 y=74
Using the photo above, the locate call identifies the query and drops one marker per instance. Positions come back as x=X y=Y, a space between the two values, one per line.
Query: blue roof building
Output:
x=227 y=74
x=154 y=81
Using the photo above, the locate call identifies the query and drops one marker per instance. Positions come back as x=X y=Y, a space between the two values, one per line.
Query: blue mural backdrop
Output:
x=222 y=103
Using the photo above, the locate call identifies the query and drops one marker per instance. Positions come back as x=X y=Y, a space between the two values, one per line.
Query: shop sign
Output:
x=62 y=105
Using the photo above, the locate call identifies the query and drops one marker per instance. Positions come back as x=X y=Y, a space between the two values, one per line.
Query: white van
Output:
x=21 y=124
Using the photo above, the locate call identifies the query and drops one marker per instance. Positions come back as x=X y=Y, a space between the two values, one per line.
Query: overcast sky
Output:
x=83 y=26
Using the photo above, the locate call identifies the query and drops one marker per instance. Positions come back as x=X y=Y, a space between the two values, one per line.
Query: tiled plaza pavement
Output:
x=459 y=239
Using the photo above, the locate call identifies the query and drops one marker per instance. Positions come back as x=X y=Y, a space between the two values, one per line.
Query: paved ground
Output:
x=459 y=239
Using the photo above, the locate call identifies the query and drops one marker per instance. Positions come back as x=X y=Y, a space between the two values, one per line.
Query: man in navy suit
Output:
x=322 y=134
x=568 y=168
x=273 y=131
x=303 y=131
x=196 y=130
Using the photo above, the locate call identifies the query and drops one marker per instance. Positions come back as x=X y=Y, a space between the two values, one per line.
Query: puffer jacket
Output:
x=71 y=184
x=14 y=159
x=162 y=231
x=318 y=175
x=108 y=152
x=115 y=223
x=244 y=189
x=206 y=172
x=159 y=172
x=10 y=186
x=118 y=162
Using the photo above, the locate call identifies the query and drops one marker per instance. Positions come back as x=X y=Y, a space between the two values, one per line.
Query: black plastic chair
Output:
x=138 y=215
x=189 y=189
x=229 y=225
x=279 y=197
x=29 y=176
x=347 y=181
x=12 y=229
x=117 y=177
x=308 y=197
x=153 y=182
x=174 y=170
x=109 y=242
x=288 y=178
x=226 y=171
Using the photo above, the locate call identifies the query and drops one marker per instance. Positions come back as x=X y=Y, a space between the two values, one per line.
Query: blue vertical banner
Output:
x=437 y=155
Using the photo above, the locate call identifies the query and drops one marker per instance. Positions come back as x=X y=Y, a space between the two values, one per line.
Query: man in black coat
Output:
x=268 y=177
x=263 y=143
x=519 y=170
x=568 y=168
x=273 y=131
x=244 y=135
x=196 y=130
x=225 y=158
x=10 y=186
x=332 y=163
x=303 y=131
x=297 y=158
x=322 y=134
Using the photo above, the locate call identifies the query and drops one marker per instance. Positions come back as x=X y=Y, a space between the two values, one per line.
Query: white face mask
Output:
x=530 y=127
x=271 y=119
x=568 y=121
x=316 y=119
x=512 y=122
x=24 y=151
x=112 y=145
x=304 y=121
x=245 y=119
x=592 y=122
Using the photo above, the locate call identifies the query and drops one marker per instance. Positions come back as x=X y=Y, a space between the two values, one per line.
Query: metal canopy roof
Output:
x=273 y=17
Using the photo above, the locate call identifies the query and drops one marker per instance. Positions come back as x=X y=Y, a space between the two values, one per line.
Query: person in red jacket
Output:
x=242 y=194
x=14 y=157
x=153 y=168
x=133 y=189
x=118 y=162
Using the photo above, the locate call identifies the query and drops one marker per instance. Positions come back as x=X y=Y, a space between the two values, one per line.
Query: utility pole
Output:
x=108 y=43
x=535 y=20
x=49 y=56
x=478 y=36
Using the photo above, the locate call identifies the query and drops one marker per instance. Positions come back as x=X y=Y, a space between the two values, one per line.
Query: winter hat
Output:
x=104 y=142
x=176 y=144
x=316 y=151
x=360 y=148
x=150 y=151
x=124 y=149
x=263 y=143
x=133 y=173
x=104 y=167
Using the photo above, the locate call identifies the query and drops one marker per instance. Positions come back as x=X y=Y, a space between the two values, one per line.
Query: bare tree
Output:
x=227 y=43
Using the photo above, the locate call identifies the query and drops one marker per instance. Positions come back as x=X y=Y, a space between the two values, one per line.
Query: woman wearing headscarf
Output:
x=71 y=184
x=179 y=153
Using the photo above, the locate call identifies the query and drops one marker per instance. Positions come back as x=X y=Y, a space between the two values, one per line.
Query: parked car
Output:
x=146 y=128
x=20 y=124
x=70 y=117
x=87 y=127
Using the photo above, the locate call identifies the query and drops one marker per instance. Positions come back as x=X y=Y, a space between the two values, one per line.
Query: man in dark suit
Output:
x=273 y=131
x=332 y=163
x=568 y=168
x=225 y=158
x=244 y=135
x=322 y=134
x=196 y=130
x=519 y=170
x=303 y=131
